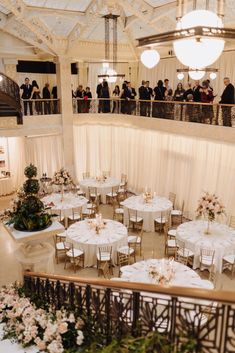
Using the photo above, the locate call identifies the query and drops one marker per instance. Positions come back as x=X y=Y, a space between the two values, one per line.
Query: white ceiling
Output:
x=42 y=22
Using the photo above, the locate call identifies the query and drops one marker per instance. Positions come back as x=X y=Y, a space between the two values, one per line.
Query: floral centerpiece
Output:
x=98 y=223
x=163 y=273
x=29 y=212
x=62 y=178
x=51 y=331
x=147 y=197
x=209 y=206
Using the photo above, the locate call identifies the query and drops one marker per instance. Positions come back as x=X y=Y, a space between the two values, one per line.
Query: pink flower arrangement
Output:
x=46 y=329
x=62 y=177
x=209 y=206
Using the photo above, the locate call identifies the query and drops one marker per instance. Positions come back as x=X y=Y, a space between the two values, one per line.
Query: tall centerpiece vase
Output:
x=62 y=193
x=209 y=222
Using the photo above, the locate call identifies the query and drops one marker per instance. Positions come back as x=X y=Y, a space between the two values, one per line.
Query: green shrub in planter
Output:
x=29 y=213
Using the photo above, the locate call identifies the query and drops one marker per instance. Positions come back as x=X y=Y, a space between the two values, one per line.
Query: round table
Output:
x=6 y=186
x=82 y=236
x=183 y=275
x=221 y=239
x=103 y=187
x=69 y=202
x=148 y=211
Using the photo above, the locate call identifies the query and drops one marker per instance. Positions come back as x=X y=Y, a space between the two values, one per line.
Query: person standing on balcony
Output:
x=179 y=97
x=98 y=92
x=116 y=94
x=35 y=96
x=188 y=91
x=149 y=97
x=27 y=91
x=46 y=95
x=105 y=93
x=207 y=97
x=159 y=95
x=132 y=103
x=87 y=100
x=227 y=98
x=197 y=89
x=80 y=102
x=55 y=102
x=166 y=84
x=143 y=96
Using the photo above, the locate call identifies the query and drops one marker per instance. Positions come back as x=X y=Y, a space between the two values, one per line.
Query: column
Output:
x=10 y=68
x=63 y=74
x=133 y=68
x=82 y=73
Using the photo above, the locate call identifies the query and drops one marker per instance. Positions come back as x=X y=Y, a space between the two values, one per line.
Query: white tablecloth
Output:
x=69 y=202
x=81 y=235
x=148 y=211
x=183 y=276
x=103 y=187
x=6 y=186
x=221 y=239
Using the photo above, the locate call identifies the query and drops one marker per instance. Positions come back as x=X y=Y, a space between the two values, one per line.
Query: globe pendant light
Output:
x=198 y=53
x=213 y=75
x=196 y=75
x=180 y=76
x=150 y=58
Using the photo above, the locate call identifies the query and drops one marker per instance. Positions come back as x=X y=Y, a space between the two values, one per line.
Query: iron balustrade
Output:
x=113 y=309
x=10 y=95
x=205 y=113
x=42 y=106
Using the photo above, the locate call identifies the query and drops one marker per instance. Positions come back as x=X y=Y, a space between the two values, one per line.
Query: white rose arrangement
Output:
x=62 y=177
x=209 y=206
x=49 y=330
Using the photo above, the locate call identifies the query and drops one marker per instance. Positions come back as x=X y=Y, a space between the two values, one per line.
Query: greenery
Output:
x=29 y=213
x=153 y=342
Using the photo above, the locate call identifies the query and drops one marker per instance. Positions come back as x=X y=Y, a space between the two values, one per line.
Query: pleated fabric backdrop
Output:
x=162 y=161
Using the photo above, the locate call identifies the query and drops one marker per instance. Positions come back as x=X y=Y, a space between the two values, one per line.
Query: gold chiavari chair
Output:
x=172 y=197
x=74 y=255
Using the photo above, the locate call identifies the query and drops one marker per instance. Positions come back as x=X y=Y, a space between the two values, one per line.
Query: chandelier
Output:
x=197 y=74
x=107 y=72
x=200 y=51
x=198 y=39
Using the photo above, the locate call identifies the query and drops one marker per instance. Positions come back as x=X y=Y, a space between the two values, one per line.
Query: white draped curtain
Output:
x=162 y=161
x=46 y=153
x=167 y=69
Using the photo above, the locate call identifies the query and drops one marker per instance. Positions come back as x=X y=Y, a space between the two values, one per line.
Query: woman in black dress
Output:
x=105 y=93
x=36 y=95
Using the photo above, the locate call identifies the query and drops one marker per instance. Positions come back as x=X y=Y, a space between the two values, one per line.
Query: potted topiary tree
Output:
x=29 y=212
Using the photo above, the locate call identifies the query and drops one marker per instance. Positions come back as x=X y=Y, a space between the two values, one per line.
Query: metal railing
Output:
x=40 y=106
x=205 y=113
x=113 y=309
x=10 y=95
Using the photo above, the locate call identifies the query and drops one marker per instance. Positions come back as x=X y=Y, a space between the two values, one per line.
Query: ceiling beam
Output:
x=50 y=10
x=41 y=31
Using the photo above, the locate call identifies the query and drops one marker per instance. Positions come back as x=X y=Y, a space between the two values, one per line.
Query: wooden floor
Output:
x=153 y=247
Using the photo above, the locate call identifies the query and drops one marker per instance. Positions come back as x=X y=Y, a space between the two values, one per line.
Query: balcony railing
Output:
x=114 y=309
x=205 y=113
x=40 y=106
x=10 y=96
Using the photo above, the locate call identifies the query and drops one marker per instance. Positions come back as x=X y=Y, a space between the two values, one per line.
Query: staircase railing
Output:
x=115 y=308
x=10 y=94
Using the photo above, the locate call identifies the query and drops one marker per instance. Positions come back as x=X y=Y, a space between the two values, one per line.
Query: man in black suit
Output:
x=227 y=98
x=46 y=95
x=149 y=97
x=197 y=90
x=99 y=94
x=27 y=91
x=143 y=95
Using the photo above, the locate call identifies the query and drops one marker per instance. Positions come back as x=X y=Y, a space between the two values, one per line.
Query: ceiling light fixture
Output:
x=150 y=58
